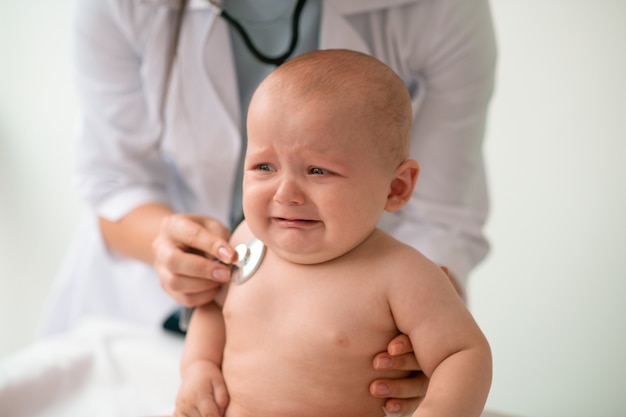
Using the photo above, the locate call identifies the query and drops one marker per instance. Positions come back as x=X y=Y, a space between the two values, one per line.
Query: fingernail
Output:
x=383 y=363
x=221 y=275
x=396 y=348
x=395 y=408
x=382 y=389
x=224 y=254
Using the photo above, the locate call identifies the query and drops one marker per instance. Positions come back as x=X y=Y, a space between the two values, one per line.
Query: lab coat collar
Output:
x=342 y=6
x=175 y=4
x=359 y=6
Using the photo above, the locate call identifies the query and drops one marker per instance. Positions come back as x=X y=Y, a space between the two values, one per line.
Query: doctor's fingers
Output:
x=186 y=281
x=404 y=362
x=195 y=295
x=171 y=262
x=199 y=234
x=399 y=356
x=399 y=345
x=403 y=395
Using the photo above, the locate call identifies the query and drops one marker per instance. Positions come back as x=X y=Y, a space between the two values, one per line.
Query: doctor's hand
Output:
x=186 y=253
x=403 y=395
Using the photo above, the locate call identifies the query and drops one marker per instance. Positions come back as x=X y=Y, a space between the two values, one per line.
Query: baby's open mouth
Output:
x=294 y=221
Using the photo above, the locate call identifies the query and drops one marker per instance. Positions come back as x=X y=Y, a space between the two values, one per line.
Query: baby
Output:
x=328 y=139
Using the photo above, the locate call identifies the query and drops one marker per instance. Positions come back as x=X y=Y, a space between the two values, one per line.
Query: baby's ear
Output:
x=402 y=185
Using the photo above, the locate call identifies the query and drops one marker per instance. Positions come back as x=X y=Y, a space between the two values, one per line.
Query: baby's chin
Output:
x=309 y=255
x=303 y=257
x=301 y=252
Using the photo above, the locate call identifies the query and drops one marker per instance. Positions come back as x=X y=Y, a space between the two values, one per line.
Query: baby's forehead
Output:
x=351 y=97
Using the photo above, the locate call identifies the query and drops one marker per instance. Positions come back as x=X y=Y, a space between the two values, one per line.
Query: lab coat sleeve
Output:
x=452 y=58
x=118 y=161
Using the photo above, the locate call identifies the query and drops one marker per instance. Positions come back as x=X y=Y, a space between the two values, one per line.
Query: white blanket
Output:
x=103 y=368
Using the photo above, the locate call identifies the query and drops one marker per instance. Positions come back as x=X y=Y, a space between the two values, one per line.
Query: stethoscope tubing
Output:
x=277 y=60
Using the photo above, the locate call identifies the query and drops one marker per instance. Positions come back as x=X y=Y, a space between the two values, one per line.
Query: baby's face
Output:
x=314 y=186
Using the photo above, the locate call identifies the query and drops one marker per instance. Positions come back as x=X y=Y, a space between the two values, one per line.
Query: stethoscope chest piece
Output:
x=250 y=256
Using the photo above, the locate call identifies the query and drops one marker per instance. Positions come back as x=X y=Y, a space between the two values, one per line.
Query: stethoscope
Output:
x=278 y=60
x=249 y=257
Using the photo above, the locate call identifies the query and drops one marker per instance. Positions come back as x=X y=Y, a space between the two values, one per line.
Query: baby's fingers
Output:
x=221 y=398
x=208 y=408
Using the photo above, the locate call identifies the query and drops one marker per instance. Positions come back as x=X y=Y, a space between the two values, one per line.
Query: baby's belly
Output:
x=264 y=385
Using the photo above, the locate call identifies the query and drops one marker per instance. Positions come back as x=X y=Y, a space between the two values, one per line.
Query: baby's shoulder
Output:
x=391 y=248
x=402 y=259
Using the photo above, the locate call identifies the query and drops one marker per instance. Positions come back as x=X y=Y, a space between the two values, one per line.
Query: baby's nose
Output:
x=289 y=192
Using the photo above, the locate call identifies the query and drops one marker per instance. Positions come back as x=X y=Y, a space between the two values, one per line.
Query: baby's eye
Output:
x=317 y=171
x=265 y=167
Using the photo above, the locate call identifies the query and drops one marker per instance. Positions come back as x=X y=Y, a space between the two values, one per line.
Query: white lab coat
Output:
x=444 y=50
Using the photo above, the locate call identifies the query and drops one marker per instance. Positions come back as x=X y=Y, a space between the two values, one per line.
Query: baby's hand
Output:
x=202 y=392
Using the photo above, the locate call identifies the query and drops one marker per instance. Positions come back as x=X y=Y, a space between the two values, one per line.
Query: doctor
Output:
x=163 y=91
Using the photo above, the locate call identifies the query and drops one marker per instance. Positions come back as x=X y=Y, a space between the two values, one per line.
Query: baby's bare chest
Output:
x=287 y=329
x=334 y=312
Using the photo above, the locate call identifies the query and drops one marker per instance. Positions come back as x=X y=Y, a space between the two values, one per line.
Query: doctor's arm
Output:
x=120 y=171
x=445 y=217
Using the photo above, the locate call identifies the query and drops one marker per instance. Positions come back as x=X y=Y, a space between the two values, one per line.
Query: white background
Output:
x=551 y=296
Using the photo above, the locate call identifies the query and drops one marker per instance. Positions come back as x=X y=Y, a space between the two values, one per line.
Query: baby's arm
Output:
x=203 y=391
x=459 y=385
x=448 y=344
